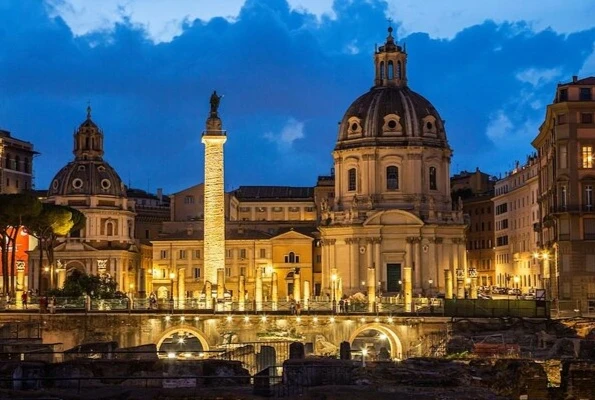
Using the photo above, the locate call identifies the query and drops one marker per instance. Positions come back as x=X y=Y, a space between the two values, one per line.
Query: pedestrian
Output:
x=341 y=306
x=24 y=300
x=298 y=308
x=52 y=305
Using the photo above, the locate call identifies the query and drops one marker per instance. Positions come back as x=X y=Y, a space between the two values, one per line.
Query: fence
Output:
x=496 y=308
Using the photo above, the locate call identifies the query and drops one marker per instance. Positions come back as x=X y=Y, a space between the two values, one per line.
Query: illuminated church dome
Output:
x=391 y=114
x=88 y=174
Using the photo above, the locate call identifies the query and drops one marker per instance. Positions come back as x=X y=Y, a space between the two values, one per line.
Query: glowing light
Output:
x=376 y=319
x=181 y=340
x=364 y=352
x=246 y=319
x=196 y=318
x=315 y=319
x=172 y=275
x=334 y=277
x=390 y=320
x=332 y=319
x=263 y=318
x=187 y=355
x=167 y=318
x=383 y=336
x=228 y=318
x=298 y=319
x=182 y=318
x=171 y=354
x=362 y=320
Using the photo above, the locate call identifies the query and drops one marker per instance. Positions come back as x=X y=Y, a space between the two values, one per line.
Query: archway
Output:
x=376 y=337
x=182 y=342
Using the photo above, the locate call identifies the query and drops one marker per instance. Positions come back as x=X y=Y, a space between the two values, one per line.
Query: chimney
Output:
x=160 y=195
x=574 y=78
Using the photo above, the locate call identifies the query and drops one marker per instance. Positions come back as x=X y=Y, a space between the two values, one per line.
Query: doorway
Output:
x=393 y=278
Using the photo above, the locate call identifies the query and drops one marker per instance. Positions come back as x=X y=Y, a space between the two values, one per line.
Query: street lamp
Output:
x=333 y=290
x=172 y=276
x=430 y=282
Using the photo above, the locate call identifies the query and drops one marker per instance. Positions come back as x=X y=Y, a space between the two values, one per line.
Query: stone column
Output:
x=418 y=267
x=325 y=275
x=208 y=296
x=241 y=292
x=181 y=285
x=439 y=265
x=297 y=282
x=220 y=283
x=142 y=283
x=354 y=277
x=339 y=288
x=473 y=289
x=407 y=288
x=460 y=283
x=371 y=289
x=306 y=294
x=274 y=290
x=455 y=263
x=380 y=270
x=448 y=283
x=258 y=290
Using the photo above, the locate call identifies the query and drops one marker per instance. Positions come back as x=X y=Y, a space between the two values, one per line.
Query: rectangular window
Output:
x=562 y=119
x=277 y=209
x=189 y=200
x=261 y=209
x=563 y=95
x=244 y=209
x=586 y=118
x=228 y=253
x=242 y=271
x=263 y=253
x=351 y=179
x=318 y=258
x=585 y=94
x=196 y=254
x=196 y=272
x=242 y=253
x=163 y=254
x=294 y=209
x=589 y=197
x=563 y=196
x=182 y=254
x=587 y=155
x=227 y=272
x=309 y=209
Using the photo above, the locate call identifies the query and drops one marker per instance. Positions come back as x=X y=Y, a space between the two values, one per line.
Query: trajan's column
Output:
x=214 y=216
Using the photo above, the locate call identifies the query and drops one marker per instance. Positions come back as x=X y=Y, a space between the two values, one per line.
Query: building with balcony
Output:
x=16 y=164
x=565 y=148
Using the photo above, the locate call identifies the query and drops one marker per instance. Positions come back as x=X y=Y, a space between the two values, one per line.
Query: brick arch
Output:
x=396 y=348
x=195 y=332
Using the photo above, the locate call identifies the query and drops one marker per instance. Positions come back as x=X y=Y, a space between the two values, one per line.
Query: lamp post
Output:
x=430 y=282
x=172 y=276
x=333 y=291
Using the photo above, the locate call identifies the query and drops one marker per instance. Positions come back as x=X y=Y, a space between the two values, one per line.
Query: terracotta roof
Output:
x=590 y=80
x=271 y=193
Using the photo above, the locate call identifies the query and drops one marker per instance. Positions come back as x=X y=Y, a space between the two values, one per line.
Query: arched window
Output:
x=392 y=178
x=351 y=180
x=110 y=229
x=399 y=70
x=391 y=70
x=292 y=258
x=433 y=184
x=382 y=70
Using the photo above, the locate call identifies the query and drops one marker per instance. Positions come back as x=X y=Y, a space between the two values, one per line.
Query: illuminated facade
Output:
x=565 y=146
x=16 y=164
x=106 y=245
x=516 y=215
x=391 y=226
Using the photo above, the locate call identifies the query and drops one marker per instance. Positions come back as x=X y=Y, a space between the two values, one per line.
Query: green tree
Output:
x=53 y=221
x=79 y=283
x=15 y=209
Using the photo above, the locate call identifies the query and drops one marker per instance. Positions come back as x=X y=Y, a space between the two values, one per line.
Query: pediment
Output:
x=291 y=235
x=394 y=217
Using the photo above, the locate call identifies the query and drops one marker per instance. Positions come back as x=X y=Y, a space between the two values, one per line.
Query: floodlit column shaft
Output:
x=274 y=290
x=241 y=292
x=448 y=283
x=407 y=288
x=214 y=203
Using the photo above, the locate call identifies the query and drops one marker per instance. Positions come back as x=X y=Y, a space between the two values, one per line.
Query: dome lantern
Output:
x=88 y=140
x=390 y=63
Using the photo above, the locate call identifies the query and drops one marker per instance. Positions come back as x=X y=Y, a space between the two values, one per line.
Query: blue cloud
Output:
x=273 y=65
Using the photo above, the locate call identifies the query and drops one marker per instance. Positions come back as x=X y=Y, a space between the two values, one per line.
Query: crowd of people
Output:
x=28 y=298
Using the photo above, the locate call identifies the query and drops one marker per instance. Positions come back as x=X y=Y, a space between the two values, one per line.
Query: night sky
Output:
x=288 y=70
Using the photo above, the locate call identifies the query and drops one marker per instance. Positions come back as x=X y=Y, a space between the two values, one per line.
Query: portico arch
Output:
x=396 y=349
x=179 y=329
